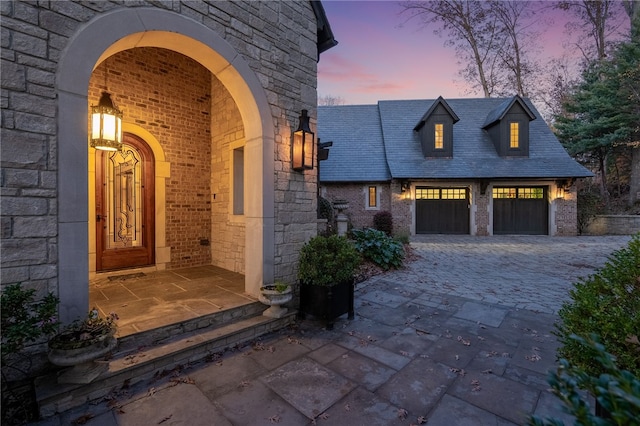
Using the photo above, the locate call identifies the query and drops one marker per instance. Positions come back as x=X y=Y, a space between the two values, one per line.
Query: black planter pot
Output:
x=326 y=302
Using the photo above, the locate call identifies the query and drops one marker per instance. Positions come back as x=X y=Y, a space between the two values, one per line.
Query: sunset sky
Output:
x=381 y=56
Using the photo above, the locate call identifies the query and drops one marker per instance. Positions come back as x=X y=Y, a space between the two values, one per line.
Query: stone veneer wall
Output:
x=614 y=225
x=277 y=39
x=169 y=95
x=227 y=231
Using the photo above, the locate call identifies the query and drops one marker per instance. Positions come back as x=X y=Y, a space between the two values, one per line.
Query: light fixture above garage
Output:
x=302 y=145
x=106 y=123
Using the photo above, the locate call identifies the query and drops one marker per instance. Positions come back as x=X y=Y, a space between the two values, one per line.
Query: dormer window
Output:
x=514 y=135
x=435 y=130
x=439 y=136
x=508 y=127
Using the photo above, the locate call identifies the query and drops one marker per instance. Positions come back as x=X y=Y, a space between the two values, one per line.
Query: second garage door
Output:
x=442 y=210
x=520 y=210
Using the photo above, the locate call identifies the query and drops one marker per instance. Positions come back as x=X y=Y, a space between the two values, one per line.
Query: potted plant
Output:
x=326 y=270
x=80 y=344
x=275 y=295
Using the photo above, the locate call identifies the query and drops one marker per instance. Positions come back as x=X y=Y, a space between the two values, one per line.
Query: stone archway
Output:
x=123 y=29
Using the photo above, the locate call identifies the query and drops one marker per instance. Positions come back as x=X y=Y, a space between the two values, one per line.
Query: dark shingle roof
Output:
x=357 y=153
x=363 y=134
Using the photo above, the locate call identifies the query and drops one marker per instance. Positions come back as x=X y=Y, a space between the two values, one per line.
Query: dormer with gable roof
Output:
x=435 y=130
x=508 y=127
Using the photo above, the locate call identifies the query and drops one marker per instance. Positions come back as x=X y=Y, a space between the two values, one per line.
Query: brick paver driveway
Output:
x=527 y=272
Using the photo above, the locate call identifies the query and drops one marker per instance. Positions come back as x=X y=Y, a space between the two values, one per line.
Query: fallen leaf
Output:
x=345 y=356
x=83 y=419
x=274 y=419
x=402 y=413
x=151 y=391
x=165 y=419
x=324 y=416
x=347 y=407
x=404 y=353
x=422 y=420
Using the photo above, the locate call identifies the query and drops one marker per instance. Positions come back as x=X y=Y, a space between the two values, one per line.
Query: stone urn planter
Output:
x=80 y=345
x=275 y=295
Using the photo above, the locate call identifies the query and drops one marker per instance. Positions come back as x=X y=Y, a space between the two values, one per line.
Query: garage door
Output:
x=442 y=210
x=520 y=210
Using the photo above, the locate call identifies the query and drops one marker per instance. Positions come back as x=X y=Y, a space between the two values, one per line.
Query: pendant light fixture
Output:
x=106 y=122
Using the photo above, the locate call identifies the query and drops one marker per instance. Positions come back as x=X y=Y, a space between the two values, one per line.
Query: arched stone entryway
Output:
x=124 y=29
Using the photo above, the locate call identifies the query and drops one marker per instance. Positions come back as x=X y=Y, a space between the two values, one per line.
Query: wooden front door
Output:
x=125 y=201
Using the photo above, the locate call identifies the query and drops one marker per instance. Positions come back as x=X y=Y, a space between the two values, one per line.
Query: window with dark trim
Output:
x=373 y=197
x=439 y=136
x=514 y=135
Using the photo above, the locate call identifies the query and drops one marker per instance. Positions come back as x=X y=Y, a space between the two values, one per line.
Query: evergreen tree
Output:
x=603 y=110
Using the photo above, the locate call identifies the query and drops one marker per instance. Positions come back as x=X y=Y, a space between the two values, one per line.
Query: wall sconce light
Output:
x=303 y=145
x=562 y=187
x=405 y=186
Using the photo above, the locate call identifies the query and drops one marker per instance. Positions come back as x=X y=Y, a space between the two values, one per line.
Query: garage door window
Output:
x=441 y=193
x=530 y=193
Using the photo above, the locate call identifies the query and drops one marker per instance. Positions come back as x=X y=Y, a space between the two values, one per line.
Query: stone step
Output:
x=216 y=319
x=138 y=360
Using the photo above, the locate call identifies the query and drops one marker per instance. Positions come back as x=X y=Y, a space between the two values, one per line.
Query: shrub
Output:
x=378 y=247
x=325 y=209
x=607 y=303
x=590 y=204
x=383 y=221
x=616 y=391
x=327 y=261
x=23 y=319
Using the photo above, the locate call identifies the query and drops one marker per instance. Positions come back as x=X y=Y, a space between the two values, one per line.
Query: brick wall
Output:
x=482 y=203
x=169 y=95
x=356 y=194
x=567 y=214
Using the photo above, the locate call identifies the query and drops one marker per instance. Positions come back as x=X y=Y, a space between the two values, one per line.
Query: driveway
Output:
x=462 y=336
x=524 y=272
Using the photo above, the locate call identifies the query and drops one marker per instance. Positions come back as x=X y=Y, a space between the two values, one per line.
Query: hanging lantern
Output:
x=106 y=125
x=303 y=145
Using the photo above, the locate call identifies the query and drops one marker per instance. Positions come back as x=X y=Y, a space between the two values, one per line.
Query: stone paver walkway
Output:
x=462 y=336
x=524 y=272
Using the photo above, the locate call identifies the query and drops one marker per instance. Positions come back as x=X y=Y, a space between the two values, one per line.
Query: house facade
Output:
x=210 y=94
x=462 y=166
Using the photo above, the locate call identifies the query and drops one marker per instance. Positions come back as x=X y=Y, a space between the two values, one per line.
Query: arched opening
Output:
x=140 y=28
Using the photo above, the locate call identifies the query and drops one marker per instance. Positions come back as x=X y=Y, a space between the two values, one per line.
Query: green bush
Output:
x=607 y=303
x=383 y=221
x=24 y=320
x=616 y=391
x=378 y=247
x=327 y=261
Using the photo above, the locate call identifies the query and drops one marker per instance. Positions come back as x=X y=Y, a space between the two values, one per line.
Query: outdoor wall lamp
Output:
x=405 y=186
x=562 y=187
x=303 y=145
x=106 y=125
